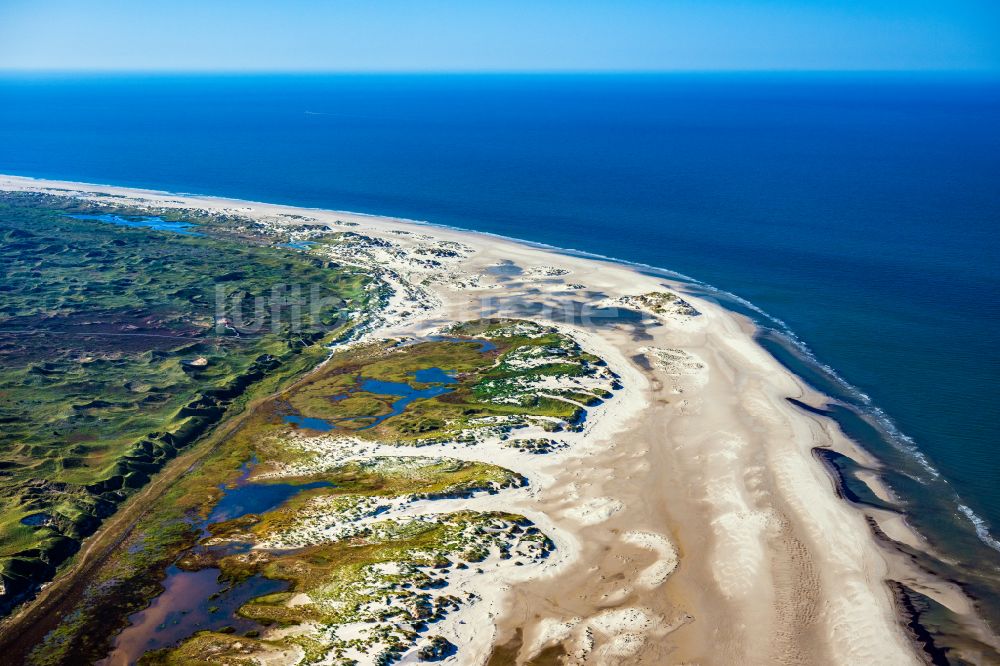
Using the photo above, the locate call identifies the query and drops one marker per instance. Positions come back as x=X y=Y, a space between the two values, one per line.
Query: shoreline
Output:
x=778 y=529
x=788 y=337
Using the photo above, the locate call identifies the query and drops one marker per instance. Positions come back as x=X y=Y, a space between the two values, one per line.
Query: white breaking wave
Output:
x=865 y=405
x=891 y=432
x=982 y=529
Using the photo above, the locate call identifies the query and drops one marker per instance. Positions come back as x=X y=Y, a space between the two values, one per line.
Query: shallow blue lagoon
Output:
x=406 y=392
x=248 y=498
x=142 y=223
x=433 y=376
x=310 y=423
x=436 y=377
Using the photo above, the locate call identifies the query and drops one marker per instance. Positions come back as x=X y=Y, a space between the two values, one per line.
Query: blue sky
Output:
x=512 y=35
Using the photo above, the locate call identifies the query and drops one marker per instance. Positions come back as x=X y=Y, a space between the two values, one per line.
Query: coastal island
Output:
x=298 y=436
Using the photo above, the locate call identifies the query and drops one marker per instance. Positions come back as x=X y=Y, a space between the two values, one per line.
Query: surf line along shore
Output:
x=691 y=520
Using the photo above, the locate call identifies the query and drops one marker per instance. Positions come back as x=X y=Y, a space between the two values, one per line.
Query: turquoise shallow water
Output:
x=861 y=213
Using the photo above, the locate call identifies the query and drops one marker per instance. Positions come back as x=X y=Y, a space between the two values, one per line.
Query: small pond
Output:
x=298 y=245
x=36 y=519
x=256 y=498
x=185 y=607
x=197 y=600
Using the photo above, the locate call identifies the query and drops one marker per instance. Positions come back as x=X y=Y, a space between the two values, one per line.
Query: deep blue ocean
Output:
x=861 y=212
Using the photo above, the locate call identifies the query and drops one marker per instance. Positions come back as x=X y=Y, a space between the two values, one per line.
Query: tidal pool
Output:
x=184 y=608
x=256 y=498
x=194 y=601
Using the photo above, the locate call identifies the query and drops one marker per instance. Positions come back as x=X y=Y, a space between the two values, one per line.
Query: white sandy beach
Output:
x=692 y=521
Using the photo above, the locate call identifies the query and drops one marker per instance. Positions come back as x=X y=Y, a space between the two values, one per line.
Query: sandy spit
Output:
x=692 y=521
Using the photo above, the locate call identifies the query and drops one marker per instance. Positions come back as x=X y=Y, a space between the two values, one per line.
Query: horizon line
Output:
x=495 y=72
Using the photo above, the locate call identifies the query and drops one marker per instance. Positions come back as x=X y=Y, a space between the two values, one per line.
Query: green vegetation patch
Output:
x=119 y=346
x=345 y=562
x=524 y=373
x=389 y=579
x=662 y=303
x=128 y=580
